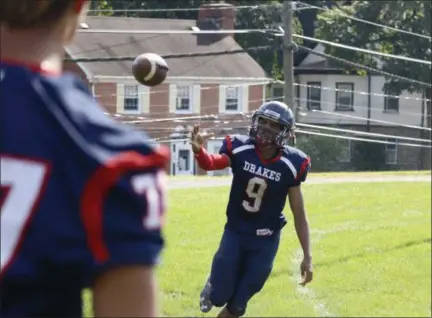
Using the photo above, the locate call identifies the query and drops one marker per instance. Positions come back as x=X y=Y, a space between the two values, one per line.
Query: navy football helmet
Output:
x=267 y=135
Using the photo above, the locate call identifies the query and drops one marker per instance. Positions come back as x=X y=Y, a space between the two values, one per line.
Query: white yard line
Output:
x=320 y=307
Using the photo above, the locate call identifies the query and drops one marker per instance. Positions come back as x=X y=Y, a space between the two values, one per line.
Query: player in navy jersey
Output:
x=81 y=197
x=265 y=171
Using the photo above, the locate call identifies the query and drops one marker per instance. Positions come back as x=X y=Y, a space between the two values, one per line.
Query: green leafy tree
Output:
x=414 y=16
x=101 y=8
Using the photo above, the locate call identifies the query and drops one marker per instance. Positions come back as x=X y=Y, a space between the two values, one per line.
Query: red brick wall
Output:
x=106 y=94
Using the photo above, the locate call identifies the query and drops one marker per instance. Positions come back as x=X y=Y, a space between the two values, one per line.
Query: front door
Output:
x=181 y=159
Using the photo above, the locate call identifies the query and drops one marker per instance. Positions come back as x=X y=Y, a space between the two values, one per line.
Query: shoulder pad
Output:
x=239 y=140
x=298 y=162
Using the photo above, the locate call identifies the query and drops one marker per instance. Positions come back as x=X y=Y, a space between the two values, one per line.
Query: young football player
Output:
x=265 y=171
x=81 y=196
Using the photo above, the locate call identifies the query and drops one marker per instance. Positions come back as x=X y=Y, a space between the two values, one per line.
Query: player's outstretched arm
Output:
x=205 y=160
x=128 y=291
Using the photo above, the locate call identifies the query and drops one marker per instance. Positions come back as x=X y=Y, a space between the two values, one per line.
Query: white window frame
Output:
x=313 y=104
x=388 y=98
x=135 y=95
x=230 y=89
x=180 y=89
x=391 y=152
x=278 y=97
x=341 y=88
x=347 y=147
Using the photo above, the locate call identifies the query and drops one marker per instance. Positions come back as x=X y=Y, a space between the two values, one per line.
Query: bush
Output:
x=323 y=151
x=369 y=156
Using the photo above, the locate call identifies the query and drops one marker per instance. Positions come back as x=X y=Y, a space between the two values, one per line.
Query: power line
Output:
x=362 y=92
x=367 y=22
x=193 y=31
x=372 y=120
x=357 y=49
x=273 y=32
x=171 y=56
x=161 y=140
x=133 y=119
x=246 y=50
x=362 y=133
x=230 y=7
x=362 y=139
x=367 y=68
x=270 y=81
x=355 y=106
x=216 y=118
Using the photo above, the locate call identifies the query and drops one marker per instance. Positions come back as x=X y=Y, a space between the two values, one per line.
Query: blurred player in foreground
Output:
x=81 y=196
x=265 y=172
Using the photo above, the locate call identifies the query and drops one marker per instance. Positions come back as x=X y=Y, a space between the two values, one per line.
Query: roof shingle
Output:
x=91 y=45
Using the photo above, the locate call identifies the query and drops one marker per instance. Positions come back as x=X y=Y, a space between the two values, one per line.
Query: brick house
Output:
x=325 y=86
x=224 y=86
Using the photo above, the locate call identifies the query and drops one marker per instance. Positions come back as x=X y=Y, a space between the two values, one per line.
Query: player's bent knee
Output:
x=218 y=300
x=236 y=310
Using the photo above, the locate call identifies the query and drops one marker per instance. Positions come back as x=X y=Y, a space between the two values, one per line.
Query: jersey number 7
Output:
x=22 y=182
x=255 y=191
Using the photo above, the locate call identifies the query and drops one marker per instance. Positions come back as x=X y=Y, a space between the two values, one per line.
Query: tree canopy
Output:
x=413 y=16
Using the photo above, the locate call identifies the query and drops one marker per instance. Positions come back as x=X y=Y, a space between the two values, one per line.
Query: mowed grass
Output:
x=371 y=250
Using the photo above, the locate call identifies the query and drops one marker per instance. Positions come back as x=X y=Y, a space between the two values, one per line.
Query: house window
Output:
x=314 y=95
x=183 y=98
x=345 y=154
x=232 y=98
x=131 y=98
x=278 y=94
x=344 y=96
x=391 y=152
x=391 y=103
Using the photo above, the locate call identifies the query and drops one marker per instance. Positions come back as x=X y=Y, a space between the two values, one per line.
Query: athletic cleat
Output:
x=205 y=303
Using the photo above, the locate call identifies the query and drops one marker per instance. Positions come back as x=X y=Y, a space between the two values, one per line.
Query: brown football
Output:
x=150 y=69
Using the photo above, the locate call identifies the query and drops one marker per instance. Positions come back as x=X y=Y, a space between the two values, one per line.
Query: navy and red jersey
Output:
x=79 y=193
x=260 y=187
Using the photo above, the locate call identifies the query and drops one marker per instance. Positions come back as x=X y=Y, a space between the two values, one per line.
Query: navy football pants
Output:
x=240 y=269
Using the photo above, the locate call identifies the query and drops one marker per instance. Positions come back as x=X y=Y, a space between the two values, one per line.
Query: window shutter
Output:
x=144 y=99
x=244 y=98
x=120 y=98
x=222 y=98
x=172 y=98
x=196 y=99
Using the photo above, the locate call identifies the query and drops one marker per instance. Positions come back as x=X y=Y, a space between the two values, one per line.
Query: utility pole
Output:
x=369 y=105
x=288 y=54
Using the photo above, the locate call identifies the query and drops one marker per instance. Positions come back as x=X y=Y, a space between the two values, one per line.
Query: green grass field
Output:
x=371 y=244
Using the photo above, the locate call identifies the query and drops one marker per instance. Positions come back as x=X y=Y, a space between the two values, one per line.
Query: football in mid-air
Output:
x=150 y=69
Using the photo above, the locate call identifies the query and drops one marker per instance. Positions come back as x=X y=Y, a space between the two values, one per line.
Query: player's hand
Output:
x=306 y=271
x=197 y=140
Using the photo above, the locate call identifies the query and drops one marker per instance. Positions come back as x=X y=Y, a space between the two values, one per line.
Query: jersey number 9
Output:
x=255 y=191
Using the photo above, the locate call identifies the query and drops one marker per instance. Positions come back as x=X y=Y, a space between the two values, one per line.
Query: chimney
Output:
x=215 y=16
